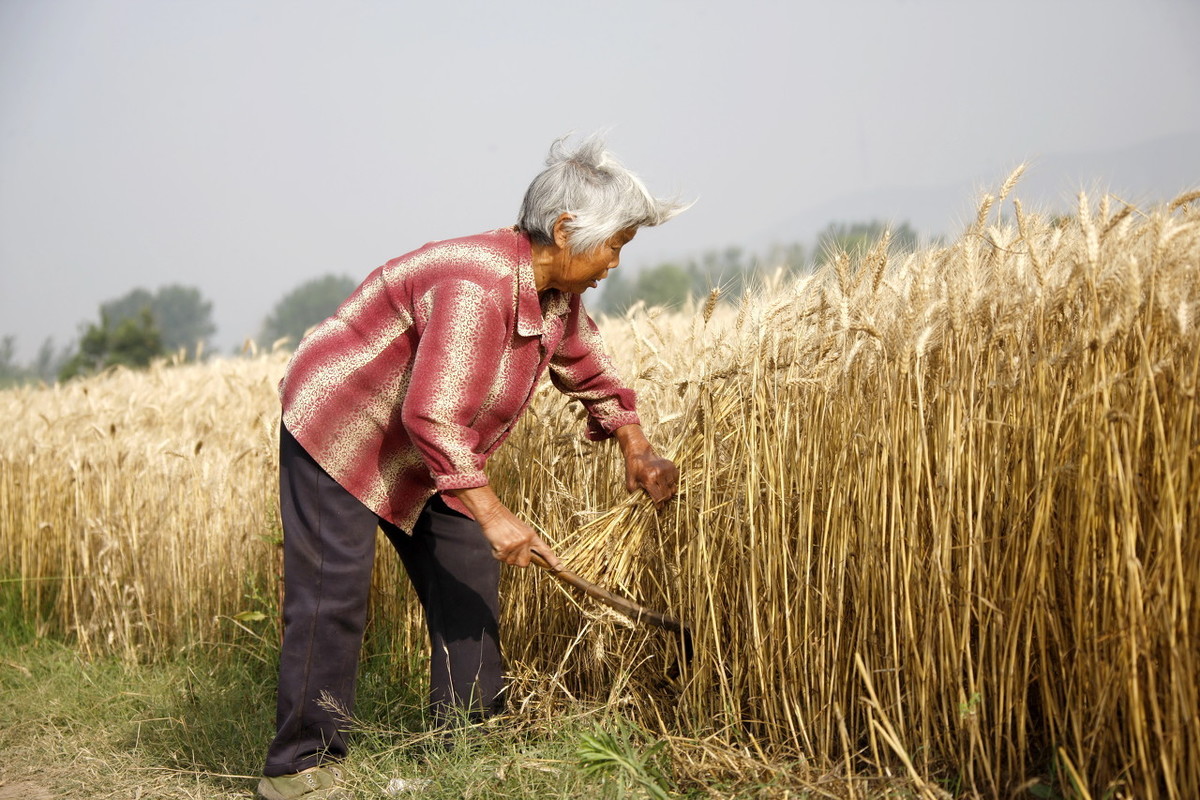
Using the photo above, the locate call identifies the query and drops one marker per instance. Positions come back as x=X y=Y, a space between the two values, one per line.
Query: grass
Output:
x=105 y=727
x=196 y=726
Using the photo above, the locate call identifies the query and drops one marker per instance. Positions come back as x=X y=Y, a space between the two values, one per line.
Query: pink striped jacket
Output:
x=424 y=370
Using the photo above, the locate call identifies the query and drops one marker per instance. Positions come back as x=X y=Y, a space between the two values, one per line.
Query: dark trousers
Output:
x=328 y=555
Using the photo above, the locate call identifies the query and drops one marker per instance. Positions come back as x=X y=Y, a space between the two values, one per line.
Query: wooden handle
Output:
x=623 y=604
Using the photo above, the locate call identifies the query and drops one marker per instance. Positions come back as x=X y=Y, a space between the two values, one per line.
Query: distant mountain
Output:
x=1142 y=174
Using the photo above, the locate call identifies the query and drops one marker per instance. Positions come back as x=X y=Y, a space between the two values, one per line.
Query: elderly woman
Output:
x=391 y=408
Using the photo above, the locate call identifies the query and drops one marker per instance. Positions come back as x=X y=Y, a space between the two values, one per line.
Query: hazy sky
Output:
x=244 y=146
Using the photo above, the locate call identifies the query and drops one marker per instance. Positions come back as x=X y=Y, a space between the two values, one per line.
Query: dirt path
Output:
x=24 y=791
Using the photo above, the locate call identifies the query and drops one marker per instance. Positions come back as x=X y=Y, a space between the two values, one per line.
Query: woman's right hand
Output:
x=513 y=541
x=511 y=538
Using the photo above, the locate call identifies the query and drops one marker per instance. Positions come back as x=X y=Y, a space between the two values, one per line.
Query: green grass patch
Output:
x=197 y=726
x=16 y=624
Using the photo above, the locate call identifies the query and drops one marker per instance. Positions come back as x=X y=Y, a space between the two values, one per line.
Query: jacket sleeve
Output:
x=453 y=369
x=581 y=369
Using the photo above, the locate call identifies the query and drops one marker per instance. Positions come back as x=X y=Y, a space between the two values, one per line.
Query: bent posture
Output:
x=391 y=408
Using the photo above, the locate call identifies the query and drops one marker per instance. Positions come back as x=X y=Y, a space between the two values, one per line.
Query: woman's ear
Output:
x=561 y=235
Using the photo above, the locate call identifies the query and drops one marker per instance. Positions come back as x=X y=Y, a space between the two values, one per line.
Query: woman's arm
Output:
x=581 y=369
x=453 y=368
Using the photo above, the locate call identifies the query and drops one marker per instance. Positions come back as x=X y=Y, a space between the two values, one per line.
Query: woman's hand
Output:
x=658 y=476
x=646 y=469
x=512 y=540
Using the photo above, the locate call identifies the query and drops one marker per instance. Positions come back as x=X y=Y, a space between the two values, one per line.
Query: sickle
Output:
x=623 y=604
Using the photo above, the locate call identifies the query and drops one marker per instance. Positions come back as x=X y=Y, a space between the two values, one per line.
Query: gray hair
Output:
x=602 y=196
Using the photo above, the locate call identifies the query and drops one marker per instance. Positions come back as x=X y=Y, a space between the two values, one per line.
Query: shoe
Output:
x=314 y=783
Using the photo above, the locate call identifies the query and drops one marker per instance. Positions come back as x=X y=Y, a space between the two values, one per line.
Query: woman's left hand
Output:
x=646 y=469
x=657 y=475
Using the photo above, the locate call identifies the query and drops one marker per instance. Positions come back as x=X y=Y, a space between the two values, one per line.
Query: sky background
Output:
x=245 y=146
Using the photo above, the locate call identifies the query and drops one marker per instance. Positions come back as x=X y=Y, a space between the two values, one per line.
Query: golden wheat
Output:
x=937 y=514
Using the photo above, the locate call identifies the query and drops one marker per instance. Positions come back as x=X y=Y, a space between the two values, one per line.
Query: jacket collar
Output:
x=530 y=315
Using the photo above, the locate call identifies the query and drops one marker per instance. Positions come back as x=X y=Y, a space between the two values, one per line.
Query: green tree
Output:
x=49 y=361
x=11 y=373
x=45 y=366
x=182 y=315
x=616 y=293
x=672 y=283
x=667 y=284
x=128 y=305
x=731 y=269
x=305 y=306
x=132 y=342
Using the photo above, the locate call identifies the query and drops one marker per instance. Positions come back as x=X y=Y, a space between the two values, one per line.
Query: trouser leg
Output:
x=457 y=579
x=328 y=553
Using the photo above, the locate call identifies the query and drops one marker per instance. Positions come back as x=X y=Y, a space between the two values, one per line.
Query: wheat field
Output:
x=937 y=515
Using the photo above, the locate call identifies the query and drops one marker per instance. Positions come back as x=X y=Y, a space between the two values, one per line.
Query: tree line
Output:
x=134 y=329
x=734 y=270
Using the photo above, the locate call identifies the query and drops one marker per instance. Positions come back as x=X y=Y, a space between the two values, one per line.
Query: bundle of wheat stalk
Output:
x=936 y=513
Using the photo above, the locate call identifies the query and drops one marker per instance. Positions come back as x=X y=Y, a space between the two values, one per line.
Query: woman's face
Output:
x=582 y=271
